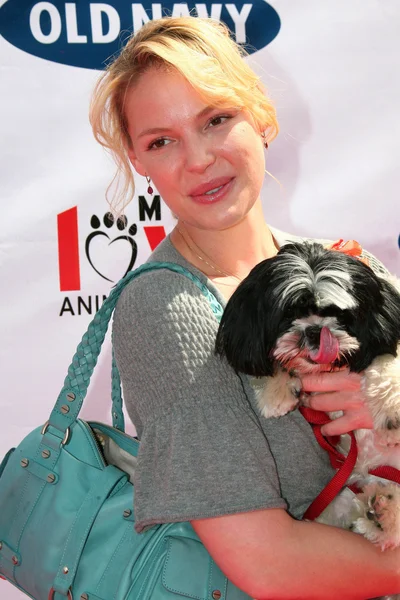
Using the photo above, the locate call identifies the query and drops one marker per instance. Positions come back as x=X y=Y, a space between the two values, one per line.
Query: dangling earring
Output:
x=149 y=189
x=264 y=140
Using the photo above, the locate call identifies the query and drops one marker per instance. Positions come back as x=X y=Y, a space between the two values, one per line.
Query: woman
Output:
x=186 y=111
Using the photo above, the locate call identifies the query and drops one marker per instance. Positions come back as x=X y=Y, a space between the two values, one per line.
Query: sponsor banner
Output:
x=86 y=34
x=332 y=71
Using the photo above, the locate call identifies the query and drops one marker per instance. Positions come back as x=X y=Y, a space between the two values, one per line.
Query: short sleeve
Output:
x=202 y=450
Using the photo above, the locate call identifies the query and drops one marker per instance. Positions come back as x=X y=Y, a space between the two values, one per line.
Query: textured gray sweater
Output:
x=204 y=450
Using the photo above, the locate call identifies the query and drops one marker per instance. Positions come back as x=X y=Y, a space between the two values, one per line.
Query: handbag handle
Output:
x=117 y=414
x=70 y=399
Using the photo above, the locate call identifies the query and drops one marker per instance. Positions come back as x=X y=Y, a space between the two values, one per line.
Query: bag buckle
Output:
x=52 y=592
x=66 y=436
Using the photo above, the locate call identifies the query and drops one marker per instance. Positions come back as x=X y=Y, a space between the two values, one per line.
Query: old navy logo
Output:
x=87 y=34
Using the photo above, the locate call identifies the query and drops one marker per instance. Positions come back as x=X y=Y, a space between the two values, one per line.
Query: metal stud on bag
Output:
x=216 y=595
x=84 y=597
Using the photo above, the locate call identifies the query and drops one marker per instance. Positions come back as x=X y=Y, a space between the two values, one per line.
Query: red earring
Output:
x=149 y=189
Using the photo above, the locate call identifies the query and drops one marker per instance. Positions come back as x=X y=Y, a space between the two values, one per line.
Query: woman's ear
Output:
x=137 y=165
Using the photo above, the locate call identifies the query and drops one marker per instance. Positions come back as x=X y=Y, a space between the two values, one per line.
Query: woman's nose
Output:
x=199 y=154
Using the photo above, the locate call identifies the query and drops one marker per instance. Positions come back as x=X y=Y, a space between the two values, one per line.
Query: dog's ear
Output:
x=380 y=332
x=246 y=335
x=388 y=319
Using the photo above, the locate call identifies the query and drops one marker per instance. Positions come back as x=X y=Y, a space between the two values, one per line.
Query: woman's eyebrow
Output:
x=152 y=130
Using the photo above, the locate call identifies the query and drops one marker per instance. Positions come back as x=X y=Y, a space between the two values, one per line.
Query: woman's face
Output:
x=188 y=149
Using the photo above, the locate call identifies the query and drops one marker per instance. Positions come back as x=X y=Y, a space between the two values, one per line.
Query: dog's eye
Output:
x=300 y=309
x=332 y=311
x=302 y=302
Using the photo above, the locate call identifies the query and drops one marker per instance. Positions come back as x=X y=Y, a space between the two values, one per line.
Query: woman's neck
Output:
x=229 y=253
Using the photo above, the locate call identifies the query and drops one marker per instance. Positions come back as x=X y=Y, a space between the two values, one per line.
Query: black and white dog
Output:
x=310 y=309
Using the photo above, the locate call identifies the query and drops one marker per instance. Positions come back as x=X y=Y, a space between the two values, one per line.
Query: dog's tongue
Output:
x=328 y=348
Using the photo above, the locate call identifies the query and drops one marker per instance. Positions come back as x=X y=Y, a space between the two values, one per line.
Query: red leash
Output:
x=343 y=464
x=384 y=472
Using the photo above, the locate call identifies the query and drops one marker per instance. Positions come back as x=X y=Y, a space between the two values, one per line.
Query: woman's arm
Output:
x=271 y=556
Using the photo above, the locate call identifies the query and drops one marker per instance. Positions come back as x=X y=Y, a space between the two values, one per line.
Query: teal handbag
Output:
x=66 y=514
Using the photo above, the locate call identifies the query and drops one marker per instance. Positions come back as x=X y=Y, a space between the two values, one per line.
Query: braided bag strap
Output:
x=70 y=399
x=117 y=413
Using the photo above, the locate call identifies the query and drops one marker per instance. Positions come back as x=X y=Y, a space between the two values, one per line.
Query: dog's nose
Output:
x=313 y=334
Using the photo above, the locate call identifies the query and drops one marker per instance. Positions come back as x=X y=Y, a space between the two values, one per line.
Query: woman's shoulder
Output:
x=170 y=289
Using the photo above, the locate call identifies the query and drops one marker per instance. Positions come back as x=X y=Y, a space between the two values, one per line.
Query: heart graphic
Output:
x=124 y=238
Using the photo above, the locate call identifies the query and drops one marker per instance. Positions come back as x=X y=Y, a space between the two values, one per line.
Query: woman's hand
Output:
x=338 y=390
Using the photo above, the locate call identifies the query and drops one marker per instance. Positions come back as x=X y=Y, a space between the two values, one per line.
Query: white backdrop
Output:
x=333 y=70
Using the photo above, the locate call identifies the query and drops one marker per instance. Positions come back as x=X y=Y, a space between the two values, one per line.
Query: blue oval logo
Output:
x=86 y=34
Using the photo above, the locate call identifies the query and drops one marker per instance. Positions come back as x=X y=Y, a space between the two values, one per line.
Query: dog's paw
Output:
x=278 y=395
x=380 y=522
x=268 y=411
x=295 y=387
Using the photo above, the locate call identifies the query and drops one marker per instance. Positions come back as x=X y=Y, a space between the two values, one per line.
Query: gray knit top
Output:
x=204 y=449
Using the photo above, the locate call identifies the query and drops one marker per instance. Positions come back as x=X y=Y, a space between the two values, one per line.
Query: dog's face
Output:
x=315 y=343
x=309 y=309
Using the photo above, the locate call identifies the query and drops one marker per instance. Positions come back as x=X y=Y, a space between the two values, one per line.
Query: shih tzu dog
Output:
x=311 y=309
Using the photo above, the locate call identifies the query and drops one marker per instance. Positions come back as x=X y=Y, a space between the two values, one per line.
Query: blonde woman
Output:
x=182 y=106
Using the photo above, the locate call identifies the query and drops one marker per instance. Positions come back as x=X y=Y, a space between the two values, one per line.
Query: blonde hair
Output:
x=205 y=54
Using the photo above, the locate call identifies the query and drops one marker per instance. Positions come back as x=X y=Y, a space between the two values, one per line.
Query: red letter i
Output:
x=68 y=250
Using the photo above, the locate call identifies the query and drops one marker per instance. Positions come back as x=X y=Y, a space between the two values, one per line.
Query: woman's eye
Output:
x=219 y=119
x=159 y=143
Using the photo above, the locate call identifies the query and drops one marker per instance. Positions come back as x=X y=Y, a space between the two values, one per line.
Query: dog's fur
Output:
x=310 y=309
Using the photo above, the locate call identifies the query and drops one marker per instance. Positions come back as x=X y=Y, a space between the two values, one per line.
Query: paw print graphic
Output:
x=119 y=225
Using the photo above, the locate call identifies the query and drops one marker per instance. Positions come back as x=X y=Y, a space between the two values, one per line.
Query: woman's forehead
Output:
x=161 y=96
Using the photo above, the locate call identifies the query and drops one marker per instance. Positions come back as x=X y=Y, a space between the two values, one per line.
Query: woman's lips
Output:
x=220 y=193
